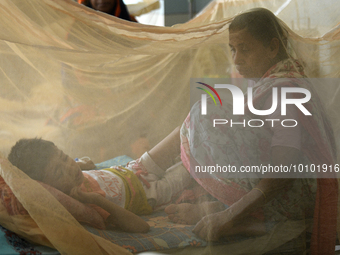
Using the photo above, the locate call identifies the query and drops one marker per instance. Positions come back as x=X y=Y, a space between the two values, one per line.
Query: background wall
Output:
x=180 y=11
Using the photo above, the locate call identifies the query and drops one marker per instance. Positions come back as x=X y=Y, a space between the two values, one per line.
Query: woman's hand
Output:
x=214 y=226
x=208 y=228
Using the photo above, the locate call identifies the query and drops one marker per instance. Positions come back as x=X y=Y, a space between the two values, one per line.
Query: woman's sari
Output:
x=204 y=145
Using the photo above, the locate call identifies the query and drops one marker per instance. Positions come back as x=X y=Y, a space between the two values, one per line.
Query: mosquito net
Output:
x=102 y=87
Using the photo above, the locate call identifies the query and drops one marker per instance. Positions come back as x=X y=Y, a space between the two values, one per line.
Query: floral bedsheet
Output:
x=163 y=235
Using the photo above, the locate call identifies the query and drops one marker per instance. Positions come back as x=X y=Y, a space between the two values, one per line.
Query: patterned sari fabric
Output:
x=204 y=145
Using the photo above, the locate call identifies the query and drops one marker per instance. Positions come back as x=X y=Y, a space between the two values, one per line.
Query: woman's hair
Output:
x=87 y=3
x=263 y=25
x=32 y=156
x=123 y=13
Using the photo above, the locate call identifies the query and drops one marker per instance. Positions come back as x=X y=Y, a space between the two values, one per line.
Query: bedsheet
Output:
x=117 y=161
x=12 y=244
x=167 y=237
x=163 y=235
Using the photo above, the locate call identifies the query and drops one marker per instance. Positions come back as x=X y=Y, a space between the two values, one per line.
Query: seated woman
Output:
x=260 y=52
x=115 y=8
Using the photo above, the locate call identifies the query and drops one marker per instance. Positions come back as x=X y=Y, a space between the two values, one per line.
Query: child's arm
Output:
x=120 y=217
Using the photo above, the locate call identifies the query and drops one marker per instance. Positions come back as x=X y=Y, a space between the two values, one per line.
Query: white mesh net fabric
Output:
x=102 y=87
x=98 y=75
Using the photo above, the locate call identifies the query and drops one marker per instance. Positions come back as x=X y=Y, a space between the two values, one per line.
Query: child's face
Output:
x=62 y=172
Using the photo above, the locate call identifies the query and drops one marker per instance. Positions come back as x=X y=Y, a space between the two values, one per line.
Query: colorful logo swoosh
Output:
x=209 y=93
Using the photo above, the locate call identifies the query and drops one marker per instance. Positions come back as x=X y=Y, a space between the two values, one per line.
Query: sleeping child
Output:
x=116 y=193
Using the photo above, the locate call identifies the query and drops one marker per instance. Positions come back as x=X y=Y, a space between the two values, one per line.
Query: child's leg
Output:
x=160 y=186
x=173 y=182
x=164 y=153
x=160 y=157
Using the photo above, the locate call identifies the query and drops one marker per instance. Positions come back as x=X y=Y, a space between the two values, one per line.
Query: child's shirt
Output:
x=105 y=183
x=121 y=187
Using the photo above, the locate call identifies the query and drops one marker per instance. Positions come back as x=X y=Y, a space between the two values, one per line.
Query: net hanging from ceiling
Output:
x=103 y=87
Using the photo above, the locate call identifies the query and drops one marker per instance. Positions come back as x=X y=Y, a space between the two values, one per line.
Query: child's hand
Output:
x=86 y=163
x=84 y=197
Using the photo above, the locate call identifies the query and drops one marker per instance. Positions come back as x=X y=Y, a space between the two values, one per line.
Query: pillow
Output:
x=82 y=213
x=24 y=226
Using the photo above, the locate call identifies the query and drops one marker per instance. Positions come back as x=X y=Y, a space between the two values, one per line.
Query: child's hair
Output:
x=32 y=156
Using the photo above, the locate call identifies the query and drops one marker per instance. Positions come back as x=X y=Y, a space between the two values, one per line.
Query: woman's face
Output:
x=103 y=5
x=251 y=57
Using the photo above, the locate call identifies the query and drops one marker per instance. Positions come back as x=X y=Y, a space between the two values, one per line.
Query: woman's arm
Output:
x=120 y=217
x=213 y=226
x=270 y=187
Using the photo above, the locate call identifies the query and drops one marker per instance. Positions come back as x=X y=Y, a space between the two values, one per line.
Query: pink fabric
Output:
x=289 y=137
x=322 y=151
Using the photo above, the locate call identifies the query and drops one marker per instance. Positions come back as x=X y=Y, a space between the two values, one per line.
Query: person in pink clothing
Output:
x=260 y=51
